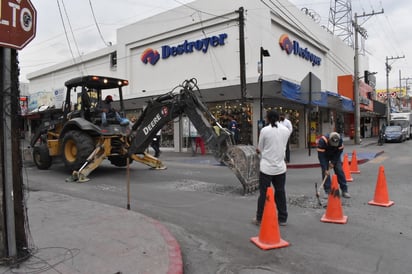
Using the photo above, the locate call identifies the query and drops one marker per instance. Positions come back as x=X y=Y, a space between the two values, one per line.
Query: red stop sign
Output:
x=17 y=23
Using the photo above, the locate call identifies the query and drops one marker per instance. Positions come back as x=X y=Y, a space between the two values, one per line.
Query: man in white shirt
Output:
x=286 y=122
x=272 y=145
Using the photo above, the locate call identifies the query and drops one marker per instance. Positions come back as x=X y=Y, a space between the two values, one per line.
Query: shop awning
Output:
x=293 y=92
x=347 y=104
x=329 y=99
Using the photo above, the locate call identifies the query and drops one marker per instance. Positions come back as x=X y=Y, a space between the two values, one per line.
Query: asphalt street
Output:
x=201 y=204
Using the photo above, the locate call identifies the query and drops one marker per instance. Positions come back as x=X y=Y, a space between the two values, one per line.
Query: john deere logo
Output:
x=289 y=47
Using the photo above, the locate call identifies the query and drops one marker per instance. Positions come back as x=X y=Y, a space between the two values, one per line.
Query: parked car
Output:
x=394 y=134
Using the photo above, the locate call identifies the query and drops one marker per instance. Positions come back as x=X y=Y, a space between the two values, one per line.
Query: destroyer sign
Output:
x=288 y=46
x=152 y=55
x=17 y=23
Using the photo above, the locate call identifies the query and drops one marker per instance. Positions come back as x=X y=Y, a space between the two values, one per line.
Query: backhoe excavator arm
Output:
x=241 y=159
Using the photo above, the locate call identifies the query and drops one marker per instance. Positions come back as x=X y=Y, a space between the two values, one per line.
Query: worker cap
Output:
x=109 y=98
x=334 y=138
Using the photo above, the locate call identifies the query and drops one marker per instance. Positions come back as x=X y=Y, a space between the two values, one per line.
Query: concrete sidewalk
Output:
x=73 y=235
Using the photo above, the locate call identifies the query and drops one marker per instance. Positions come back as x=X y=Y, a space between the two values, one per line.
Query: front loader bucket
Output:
x=244 y=162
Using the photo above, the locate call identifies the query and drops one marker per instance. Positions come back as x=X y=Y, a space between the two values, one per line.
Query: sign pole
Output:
x=17 y=29
x=7 y=155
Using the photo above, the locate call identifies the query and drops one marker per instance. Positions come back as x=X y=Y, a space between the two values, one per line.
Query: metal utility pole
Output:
x=361 y=31
x=242 y=58
x=13 y=208
x=13 y=223
x=406 y=79
x=388 y=99
x=7 y=160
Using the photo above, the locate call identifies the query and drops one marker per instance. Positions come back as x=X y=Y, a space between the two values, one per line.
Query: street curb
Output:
x=174 y=252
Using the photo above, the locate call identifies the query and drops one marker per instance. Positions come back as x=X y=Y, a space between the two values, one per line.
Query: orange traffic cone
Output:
x=346 y=168
x=334 y=212
x=354 y=164
x=269 y=235
x=381 y=197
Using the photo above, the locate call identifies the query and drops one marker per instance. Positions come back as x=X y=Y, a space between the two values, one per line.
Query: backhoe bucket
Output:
x=244 y=162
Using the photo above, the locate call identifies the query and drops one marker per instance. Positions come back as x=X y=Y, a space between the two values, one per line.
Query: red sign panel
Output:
x=17 y=23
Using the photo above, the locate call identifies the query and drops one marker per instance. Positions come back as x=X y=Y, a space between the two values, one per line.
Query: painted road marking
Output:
x=378 y=159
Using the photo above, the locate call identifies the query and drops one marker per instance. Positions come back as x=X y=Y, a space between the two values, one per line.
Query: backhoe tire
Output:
x=77 y=146
x=119 y=161
x=41 y=157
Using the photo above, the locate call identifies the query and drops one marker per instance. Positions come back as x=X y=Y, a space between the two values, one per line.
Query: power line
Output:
x=74 y=38
x=200 y=11
x=97 y=25
x=362 y=31
x=71 y=29
x=334 y=59
x=65 y=32
x=294 y=21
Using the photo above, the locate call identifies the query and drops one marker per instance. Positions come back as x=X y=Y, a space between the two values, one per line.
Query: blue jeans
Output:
x=337 y=168
x=278 y=182
x=110 y=115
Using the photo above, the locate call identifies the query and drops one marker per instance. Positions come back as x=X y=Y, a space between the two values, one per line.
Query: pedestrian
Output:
x=381 y=138
x=286 y=122
x=234 y=128
x=133 y=120
x=216 y=128
x=156 y=143
x=330 y=148
x=108 y=111
x=271 y=148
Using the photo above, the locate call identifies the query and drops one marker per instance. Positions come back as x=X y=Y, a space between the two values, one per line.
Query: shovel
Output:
x=318 y=189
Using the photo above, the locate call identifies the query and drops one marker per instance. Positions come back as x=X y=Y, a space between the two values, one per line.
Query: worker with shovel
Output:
x=330 y=148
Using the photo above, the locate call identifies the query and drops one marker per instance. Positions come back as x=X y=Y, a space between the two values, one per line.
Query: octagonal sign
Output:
x=17 y=23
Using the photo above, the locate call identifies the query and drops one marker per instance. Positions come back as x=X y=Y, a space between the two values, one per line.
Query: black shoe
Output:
x=256 y=222
x=283 y=223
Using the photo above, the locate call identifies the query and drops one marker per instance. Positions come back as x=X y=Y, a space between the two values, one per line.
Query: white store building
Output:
x=209 y=41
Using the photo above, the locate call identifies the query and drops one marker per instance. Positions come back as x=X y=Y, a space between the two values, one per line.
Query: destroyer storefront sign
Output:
x=295 y=48
x=152 y=56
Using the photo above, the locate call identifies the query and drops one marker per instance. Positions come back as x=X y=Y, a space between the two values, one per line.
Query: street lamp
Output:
x=263 y=53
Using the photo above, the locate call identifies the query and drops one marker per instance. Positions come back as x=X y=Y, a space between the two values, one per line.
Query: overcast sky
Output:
x=388 y=33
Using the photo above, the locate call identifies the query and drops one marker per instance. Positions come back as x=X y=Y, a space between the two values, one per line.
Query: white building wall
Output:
x=173 y=28
x=54 y=77
x=219 y=66
x=263 y=27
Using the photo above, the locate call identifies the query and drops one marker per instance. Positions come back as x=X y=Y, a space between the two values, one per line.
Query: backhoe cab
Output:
x=76 y=134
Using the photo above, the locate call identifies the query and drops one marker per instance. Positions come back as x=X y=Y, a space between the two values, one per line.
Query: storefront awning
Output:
x=293 y=92
x=329 y=99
